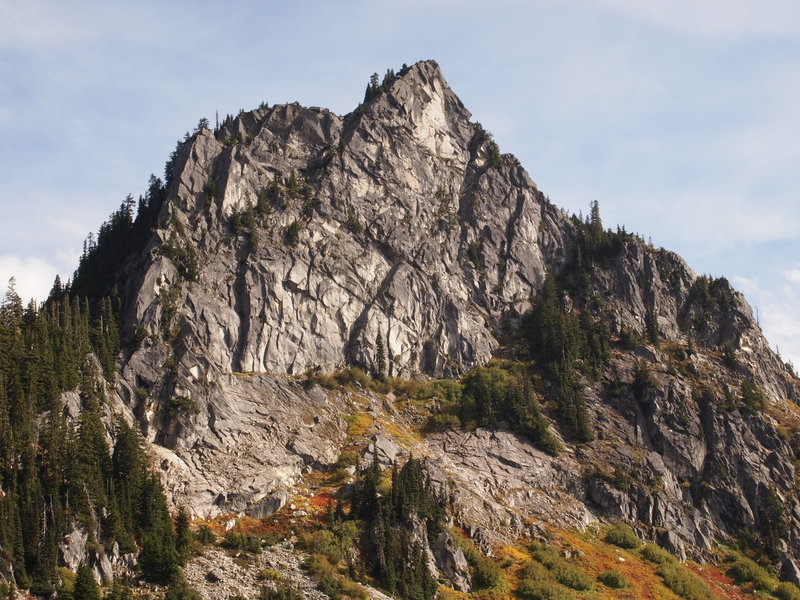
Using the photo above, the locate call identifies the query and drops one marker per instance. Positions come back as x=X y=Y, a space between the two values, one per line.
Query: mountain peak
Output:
x=418 y=99
x=400 y=241
x=424 y=71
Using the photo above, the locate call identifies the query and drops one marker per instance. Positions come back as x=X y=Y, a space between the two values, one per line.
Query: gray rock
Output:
x=452 y=563
x=404 y=228
x=267 y=506
x=790 y=571
x=72 y=549
x=615 y=503
x=387 y=451
x=215 y=576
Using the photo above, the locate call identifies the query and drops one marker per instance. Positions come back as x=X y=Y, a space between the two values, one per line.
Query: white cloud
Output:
x=793 y=276
x=777 y=312
x=34 y=276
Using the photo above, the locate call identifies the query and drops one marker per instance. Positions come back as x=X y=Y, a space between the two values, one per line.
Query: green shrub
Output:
x=744 y=570
x=331 y=583
x=182 y=405
x=443 y=389
x=324 y=542
x=205 y=535
x=236 y=540
x=181 y=590
x=359 y=377
x=620 y=479
x=475 y=254
x=623 y=536
x=531 y=589
x=443 y=422
x=613 y=579
x=547 y=555
x=293 y=233
x=565 y=573
x=329 y=544
x=494 y=158
x=684 y=583
x=572 y=577
x=269 y=575
x=486 y=574
x=534 y=571
x=787 y=591
x=656 y=554
x=347 y=458
x=643 y=380
x=353 y=222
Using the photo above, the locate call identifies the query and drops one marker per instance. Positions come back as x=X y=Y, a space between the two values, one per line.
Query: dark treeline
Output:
x=492 y=394
x=58 y=473
x=374 y=88
x=397 y=525
x=565 y=341
x=127 y=230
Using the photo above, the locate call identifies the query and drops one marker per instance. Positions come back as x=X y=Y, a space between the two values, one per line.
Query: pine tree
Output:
x=158 y=558
x=120 y=590
x=595 y=223
x=86 y=587
x=651 y=325
x=380 y=358
x=184 y=540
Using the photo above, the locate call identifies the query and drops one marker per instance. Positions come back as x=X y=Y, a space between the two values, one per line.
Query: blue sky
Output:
x=679 y=117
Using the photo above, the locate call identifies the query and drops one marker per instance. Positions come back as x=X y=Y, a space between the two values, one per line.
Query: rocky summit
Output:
x=308 y=294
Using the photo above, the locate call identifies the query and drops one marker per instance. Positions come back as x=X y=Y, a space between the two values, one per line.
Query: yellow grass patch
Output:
x=358 y=424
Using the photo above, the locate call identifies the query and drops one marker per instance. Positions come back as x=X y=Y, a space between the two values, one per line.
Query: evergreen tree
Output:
x=52 y=475
x=380 y=357
x=398 y=562
x=651 y=326
x=771 y=522
x=595 y=223
x=565 y=342
x=184 y=540
x=120 y=590
x=86 y=587
x=158 y=557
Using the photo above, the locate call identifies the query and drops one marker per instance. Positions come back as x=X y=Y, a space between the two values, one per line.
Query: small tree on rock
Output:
x=380 y=357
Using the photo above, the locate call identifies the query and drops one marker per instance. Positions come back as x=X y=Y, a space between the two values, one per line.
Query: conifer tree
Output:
x=158 y=558
x=86 y=587
x=380 y=357
x=183 y=536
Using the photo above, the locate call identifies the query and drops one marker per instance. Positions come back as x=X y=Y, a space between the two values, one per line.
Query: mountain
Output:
x=307 y=291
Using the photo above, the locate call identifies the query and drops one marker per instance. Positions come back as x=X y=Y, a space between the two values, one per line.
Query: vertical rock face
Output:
x=293 y=238
x=451 y=561
x=402 y=227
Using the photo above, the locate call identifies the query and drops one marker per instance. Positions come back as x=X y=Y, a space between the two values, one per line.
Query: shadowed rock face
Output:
x=402 y=219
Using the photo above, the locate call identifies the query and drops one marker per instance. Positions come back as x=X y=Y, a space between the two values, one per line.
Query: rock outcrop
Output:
x=293 y=239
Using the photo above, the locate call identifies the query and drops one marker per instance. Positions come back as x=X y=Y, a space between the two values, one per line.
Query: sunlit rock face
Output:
x=294 y=238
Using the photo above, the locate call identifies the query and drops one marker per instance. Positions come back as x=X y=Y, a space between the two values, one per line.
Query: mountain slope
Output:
x=292 y=243
x=312 y=234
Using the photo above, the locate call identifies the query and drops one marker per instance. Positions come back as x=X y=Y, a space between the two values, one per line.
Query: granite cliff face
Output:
x=293 y=238
x=389 y=202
